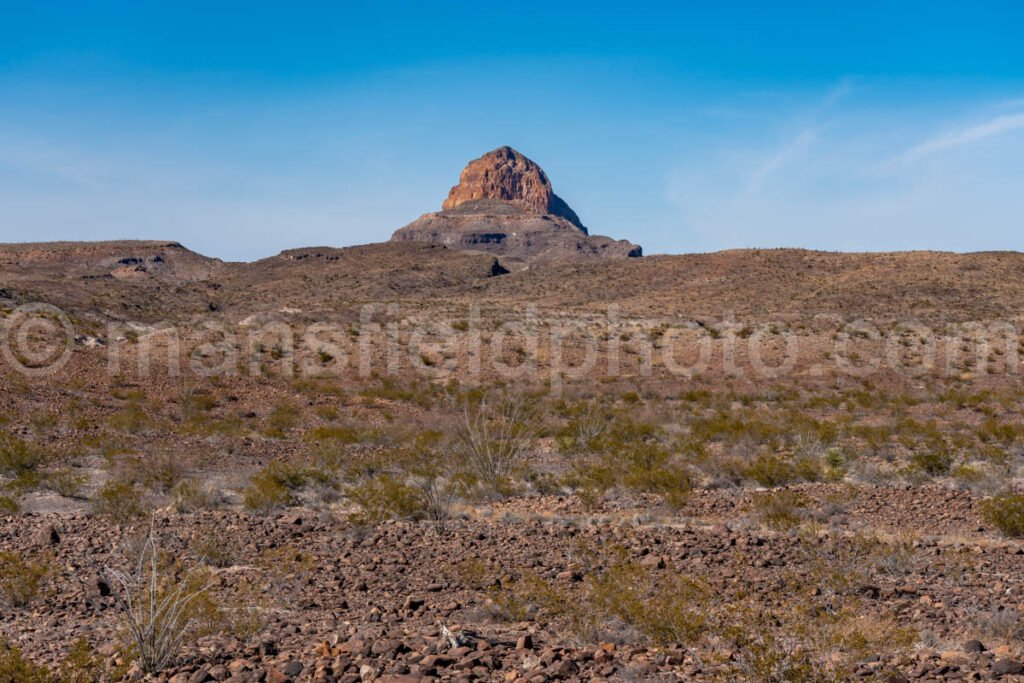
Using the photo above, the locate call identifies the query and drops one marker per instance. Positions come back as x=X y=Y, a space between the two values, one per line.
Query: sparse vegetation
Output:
x=159 y=609
x=15 y=668
x=21 y=579
x=781 y=510
x=1006 y=513
x=275 y=486
x=121 y=502
x=496 y=435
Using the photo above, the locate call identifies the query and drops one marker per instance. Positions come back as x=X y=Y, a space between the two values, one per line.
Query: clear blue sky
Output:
x=241 y=129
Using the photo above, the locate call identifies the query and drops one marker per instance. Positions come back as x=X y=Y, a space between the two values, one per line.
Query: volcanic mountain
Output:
x=504 y=205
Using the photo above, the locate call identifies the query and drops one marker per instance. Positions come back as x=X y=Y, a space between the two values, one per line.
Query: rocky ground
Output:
x=408 y=601
x=721 y=525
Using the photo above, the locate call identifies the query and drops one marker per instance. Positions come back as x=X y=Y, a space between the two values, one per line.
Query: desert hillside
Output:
x=146 y=281
x=407 y=461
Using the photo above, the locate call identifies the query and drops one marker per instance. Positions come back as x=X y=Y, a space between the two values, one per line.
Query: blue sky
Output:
x=241 y=129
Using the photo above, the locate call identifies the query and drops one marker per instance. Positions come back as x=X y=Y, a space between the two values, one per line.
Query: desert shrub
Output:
x=288 y=569
x=282 y=419
x=591 y=479
x=586 y=424
x=546 y=483
x=771 y=471
x=65 y=483
x=21 y=461
x=648 y=468
x=471 y=572
x=1005 y=512
x=808 y=468
x=8 y=506
x=20 y=579
x=119 y=501
x=968 y=476
x=162 y=470
x=495 y=437
x=14 y=668
x=385 y=497
x=423 y=395
x=328 y=413
x=807 y=643
x=1002 y=623
x=934 y=461
x=432 y=475
x=17 y=456
x=666 y=611
x=159 y=606
x=244 y=619
x=780 y=510
x=835 y=463
x=265 y=493
x=337 y=434
x=82 y=665
x=216 y=549
x=132 y=419
x=196 y=405
x=617 y=600
x=274 y=486
x=824 y=636
x=1004 y=433
x=892 y=557
x=192 y=495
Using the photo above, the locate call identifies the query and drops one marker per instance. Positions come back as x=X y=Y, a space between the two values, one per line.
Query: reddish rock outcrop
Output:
x=506 y=175
x=504 y=205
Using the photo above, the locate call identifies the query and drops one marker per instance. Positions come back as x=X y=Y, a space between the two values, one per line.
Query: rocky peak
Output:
x=504 y=205
x=506 y=175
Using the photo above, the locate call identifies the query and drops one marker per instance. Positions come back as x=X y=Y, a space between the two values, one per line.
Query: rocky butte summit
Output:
x=504 y=205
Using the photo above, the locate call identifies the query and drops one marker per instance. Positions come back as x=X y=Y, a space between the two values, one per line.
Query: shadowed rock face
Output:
x=504 y=205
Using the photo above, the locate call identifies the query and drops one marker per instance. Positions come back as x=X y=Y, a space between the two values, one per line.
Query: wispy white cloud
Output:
x=840 y=91
x=849 y=181
x=803 y=139
x=964 y=136
x=790 y=151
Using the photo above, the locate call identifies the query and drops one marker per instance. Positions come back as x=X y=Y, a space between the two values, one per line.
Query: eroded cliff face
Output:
x=506 y=175
x=504 y=204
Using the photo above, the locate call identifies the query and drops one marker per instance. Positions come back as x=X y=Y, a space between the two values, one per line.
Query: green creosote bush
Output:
x=83 y=665
x=662 y=607
x=15 y=668
x=9 y=506
x=121 y=502
x=192 y=495
x=275 y=485
x=1006 y=513
x=934 y=461
x=771 y=471
x=21 y=580
x=384 y=497
x=781 y=510
x=65 y=483
x=648 y=468
x=282 y=419
x=22 y=462
x=217 y=549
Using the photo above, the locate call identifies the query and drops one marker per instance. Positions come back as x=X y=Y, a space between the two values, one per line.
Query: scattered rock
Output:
x=974 y=646
x=1007 y=667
